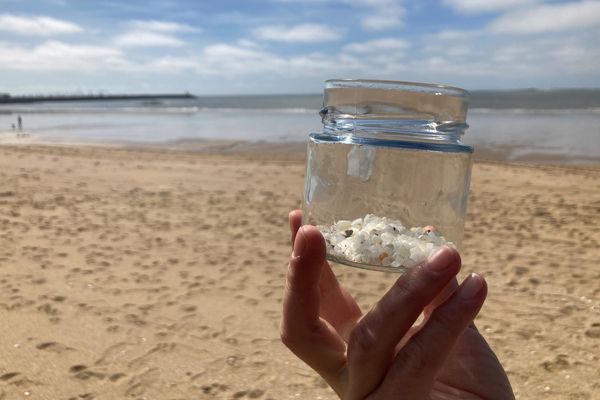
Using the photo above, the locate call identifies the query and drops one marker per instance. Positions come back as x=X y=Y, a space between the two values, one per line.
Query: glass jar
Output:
x=387 y=179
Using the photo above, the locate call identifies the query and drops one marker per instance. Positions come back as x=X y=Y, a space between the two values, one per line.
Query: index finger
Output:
x=295 y=220
x=336 y=305
x=306 y=334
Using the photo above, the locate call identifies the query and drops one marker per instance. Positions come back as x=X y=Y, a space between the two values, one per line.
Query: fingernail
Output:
x=471 y=286
x=299 y=244
x=440 y=260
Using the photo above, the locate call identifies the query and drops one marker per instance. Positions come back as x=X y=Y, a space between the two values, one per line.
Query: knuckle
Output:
x=297 y=338
x=288 y=338
x=410 y=290
x=412 y=356
x=444 y=324
x=362 y=340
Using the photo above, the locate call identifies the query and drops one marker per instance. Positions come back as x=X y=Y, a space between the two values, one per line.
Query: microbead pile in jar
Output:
x=381 y=241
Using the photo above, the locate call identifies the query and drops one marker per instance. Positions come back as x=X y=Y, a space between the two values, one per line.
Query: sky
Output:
x=210 y=47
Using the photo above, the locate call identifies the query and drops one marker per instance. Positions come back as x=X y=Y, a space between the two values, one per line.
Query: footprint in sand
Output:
x=116 y=377
x=250 y=394
x=8 y=376
x=82 y=372
x=77 y=368
x=594 y=331
x=53 y=347
x=84 y=396
x=214 y=389
x=560 y=362
x=252 y=302
x=113 y=353
x=139 y=384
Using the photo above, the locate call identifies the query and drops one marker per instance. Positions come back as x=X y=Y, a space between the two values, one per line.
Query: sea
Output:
x=539 y=126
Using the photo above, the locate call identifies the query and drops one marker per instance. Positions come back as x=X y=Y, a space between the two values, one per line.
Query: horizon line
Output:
x=189 y=94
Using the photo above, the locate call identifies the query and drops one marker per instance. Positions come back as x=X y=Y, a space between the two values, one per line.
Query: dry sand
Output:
x=158 y=275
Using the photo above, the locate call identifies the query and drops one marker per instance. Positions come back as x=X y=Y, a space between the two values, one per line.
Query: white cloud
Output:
x=549 y=18
x=383 y=14
x=54 y=55
x=223 y=50
x=162 y=26
x=153 y=33
x=489 y=60
x=314 y=64
x=222 y=58
x=219 y=59
x=371 y=46
x=487 y=57
x=37 y=26
x=559 y=57
x=381 y=22
x=493 y=60
x=485 y=6
x=451 y=34
x=173 y=64
x=376 y=15
x=247 y=43
x=228 y=60
x=303 y=33
x=138 y=38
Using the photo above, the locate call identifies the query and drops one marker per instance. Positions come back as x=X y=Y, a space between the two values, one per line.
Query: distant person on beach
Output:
x=20 y=122
x=380 y=355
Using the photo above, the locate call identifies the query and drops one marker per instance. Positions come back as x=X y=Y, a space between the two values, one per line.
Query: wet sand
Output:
x=153 y=274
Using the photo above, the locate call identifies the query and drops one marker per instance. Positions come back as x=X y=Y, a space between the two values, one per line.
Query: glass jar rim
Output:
x=398 y=85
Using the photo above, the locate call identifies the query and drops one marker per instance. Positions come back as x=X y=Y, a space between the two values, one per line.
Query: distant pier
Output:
x=6 y=98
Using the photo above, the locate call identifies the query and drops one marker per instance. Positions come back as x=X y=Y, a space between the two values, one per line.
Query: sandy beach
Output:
x=154 y=274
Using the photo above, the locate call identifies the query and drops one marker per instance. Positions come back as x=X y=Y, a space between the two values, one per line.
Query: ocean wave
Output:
x=190 y=109
x=561 y=111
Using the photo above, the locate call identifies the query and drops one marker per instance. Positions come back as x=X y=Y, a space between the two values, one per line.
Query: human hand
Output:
x=381 y=355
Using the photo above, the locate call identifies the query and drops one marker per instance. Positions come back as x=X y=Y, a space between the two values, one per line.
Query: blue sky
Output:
x=291 y=46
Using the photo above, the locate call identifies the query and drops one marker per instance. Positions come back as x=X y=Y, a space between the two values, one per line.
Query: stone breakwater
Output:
x=381 y=241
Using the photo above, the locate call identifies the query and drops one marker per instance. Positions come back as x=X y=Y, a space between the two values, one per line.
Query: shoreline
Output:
x=494 y=154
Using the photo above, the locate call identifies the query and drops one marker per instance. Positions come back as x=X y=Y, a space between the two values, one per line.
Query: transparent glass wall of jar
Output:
x=387 y=179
